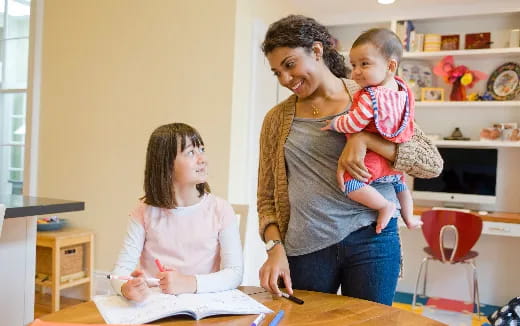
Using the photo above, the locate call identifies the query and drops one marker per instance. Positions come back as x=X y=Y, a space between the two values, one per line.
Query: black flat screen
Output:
x=466 y=171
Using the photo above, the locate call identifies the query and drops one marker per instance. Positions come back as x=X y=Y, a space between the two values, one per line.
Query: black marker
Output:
x=292 y=298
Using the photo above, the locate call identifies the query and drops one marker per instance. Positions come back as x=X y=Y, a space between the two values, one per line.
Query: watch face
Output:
x=270 y=244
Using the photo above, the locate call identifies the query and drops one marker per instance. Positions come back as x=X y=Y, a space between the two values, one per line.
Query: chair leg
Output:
x=425 y=276
x=417 y=281
x=476 y=298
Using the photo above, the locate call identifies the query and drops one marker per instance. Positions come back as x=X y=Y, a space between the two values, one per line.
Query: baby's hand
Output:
x=172 y=281
x=135 y=289
x=328 y=126
x=413 y=223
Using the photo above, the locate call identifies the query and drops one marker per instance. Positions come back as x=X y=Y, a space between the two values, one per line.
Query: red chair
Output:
x=463 y=230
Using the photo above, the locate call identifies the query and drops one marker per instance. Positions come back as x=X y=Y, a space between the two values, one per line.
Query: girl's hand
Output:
x=328 y=126
x=352 y=160
x=276 y=266
x=135 y=289
x=172 y=281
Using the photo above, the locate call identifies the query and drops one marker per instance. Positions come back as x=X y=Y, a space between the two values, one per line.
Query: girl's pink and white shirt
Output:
x=201 y=240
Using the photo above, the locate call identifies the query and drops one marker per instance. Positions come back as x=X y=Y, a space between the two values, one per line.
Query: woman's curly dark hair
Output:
x=296 y=31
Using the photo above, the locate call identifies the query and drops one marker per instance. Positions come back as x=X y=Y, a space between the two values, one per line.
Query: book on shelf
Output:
x=432 y=42
x=416 y=42
x=404 y=30
x=117 y=310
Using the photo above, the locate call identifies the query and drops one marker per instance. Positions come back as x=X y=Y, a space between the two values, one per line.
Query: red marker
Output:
x=159 y=266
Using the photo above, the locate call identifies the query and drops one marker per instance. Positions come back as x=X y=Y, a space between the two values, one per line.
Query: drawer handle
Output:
x=499 y=229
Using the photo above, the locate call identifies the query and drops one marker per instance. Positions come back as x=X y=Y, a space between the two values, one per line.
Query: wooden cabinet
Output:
x=65 y=257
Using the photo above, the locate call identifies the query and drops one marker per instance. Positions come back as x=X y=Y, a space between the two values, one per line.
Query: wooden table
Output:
x=318 y=309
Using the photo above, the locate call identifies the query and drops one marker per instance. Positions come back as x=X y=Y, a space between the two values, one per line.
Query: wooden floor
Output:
x=42 y=303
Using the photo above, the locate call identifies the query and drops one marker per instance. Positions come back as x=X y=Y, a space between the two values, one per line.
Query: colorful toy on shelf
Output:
x=460 y=76
x=485 y=96
x=472 y=97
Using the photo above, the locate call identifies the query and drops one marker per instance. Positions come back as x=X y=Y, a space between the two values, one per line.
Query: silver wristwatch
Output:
x=271 y=243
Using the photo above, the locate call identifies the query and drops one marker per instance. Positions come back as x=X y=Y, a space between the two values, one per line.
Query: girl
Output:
x=384 y=106
x=178 y=223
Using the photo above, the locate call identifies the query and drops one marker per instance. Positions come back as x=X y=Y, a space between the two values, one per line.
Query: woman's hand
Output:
x=276 y=266
x=172 y=281
x=135 y=289
x=352 y=160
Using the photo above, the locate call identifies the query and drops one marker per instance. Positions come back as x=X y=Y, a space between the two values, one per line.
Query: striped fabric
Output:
x=353 y=185
x=380 y=110
x=397 y=180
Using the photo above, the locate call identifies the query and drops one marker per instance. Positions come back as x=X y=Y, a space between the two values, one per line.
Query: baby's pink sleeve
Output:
x=357 y=118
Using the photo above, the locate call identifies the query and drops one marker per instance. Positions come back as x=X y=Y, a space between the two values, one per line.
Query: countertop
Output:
x=21 y=206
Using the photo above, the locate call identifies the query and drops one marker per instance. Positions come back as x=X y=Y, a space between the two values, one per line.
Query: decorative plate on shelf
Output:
x=504 y=82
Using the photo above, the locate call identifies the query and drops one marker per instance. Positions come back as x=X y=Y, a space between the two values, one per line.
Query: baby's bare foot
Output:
x=384 y=216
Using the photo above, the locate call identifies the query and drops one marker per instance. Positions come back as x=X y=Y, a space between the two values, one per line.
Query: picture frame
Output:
x=432 y=94
x=477 y=41
x=450 y=42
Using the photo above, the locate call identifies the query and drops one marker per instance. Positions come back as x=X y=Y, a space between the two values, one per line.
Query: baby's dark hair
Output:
x=162 y=149
x=296 y=31
x=386 y=41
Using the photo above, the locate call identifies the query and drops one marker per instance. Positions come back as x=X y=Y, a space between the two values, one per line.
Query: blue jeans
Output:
x=365 y=264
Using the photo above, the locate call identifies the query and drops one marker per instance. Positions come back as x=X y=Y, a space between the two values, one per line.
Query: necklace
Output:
x=315 y=110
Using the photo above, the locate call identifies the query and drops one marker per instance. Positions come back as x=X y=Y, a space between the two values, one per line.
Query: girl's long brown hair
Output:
x=162 y=149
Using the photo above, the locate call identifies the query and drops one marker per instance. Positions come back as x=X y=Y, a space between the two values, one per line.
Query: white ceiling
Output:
x=335 y=12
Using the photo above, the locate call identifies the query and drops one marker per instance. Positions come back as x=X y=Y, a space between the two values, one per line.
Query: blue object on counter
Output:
x=52 y=226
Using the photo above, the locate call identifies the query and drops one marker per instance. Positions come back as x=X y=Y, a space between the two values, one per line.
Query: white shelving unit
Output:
x=437 y=55
x=441 y=118
x=476 y=143
x=468 y=104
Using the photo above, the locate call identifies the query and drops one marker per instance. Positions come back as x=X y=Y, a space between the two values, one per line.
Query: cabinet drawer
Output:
x=503 y=229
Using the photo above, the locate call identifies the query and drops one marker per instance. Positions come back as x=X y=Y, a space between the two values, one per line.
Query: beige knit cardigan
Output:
x=418 y=158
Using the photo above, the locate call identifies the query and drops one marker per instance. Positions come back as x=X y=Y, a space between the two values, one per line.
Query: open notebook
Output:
x=117 y=310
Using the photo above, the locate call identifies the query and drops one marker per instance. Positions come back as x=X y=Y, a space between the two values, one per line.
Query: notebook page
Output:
x=233 y=302
x=115 y=309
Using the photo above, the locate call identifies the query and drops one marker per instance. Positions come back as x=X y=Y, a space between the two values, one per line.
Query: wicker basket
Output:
x=71 y=260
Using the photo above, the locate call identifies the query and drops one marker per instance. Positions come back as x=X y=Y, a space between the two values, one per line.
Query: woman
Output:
x=317 y=239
